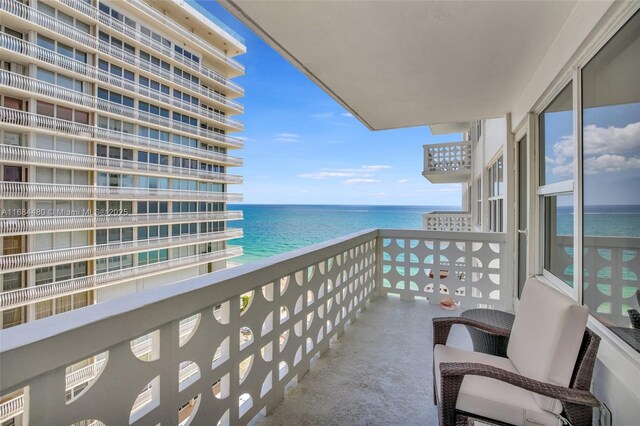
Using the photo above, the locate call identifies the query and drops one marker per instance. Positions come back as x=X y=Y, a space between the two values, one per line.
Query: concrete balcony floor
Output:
x=378 y=373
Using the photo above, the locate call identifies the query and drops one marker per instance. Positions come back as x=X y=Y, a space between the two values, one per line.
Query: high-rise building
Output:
x=116 y=123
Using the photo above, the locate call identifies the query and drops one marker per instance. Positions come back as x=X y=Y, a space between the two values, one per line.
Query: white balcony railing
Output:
x=34 y=16
x=24 y=155
x=298 y=303
x=611 y=275
x=448 y=162
x=51 y=191
x=32 y=85
x=447 y=221
x=29 y=295
x=34 y=224
x=189 y=35
x=55 y=125
x=18 y=46
x=22 y=261
x=11 y=408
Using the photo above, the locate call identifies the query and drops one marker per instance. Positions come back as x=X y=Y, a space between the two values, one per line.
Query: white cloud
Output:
x=611 y=140
x=287 y=137
x=401 y=181
x=604 y=148
x=358 y=181
x=324 y=175
x=609 y=163
x=376 y=167
x=361 y=172
x=346 y=114
x=322 y=115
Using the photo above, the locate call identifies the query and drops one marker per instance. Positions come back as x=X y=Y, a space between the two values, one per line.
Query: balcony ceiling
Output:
x=401 y=64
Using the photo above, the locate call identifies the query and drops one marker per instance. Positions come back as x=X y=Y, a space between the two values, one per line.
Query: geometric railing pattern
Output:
x=467 y=266
x=447 y=221
x=447 y=157
x=611 y=274
x=253 y=330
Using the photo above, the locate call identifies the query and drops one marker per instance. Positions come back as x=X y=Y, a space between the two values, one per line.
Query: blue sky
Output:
x=302 y=147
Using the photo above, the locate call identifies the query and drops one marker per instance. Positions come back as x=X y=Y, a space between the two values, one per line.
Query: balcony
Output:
x=35 y=224
x=14 y=46
x=60 y=28
x=22 y=155
x=29 y=85
x=23 y=119
x=447 y=162
x=51 y=191
x=447 y=221
x=240 y=357
x=25 y=296
x=35 y=259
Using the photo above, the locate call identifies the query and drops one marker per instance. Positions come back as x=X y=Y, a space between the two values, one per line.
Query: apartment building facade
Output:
x=116 y=150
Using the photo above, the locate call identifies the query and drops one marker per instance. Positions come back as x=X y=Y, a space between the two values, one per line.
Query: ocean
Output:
x=275 y=229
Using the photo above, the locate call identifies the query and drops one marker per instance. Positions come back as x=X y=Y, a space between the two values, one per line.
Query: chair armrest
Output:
x=442 y=328
x=455 y=370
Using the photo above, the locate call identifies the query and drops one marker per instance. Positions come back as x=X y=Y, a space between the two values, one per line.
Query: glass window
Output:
x=46 y=76
x=496 y=196
x=556 y=139
x=64 y=113
x=65 y=50
x=558 y=237
x=556 y=166
x=611 y=160
x=65 y=82
x=46 y=42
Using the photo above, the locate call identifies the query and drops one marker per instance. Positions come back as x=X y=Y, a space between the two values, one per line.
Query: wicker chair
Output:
x=501 y=391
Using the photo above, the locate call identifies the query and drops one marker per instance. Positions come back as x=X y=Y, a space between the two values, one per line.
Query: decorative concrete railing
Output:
x=28 y=295
x=447 y=162
x=31 y=224
x=259 y=326
x=468 y=266
x=447 y=221
x=51 y=191
x=55 y=125
x=25 y=155
x=611 y=274
x=22 y=261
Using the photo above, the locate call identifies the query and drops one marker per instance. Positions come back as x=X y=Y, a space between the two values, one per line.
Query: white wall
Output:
x=617 y=373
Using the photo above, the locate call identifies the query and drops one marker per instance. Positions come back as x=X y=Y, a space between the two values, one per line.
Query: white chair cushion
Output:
x=489 y=397
x=546 y=337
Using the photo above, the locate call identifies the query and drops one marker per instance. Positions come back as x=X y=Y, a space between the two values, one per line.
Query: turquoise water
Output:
x=275 y=229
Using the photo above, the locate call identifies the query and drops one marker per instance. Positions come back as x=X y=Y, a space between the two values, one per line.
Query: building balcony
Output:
x=447 y=221
x=161 y=21
x=27 y=85
x=37 y=224
x=23 y=120
x=22 y=155
x=447 y=162
x=12 y=46
x=25 y=296
x=51 y=191
x=37 y=259
x=258 y=330
x=34 y=16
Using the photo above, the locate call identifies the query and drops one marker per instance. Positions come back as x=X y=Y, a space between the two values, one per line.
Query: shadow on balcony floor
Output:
x=378 y=373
